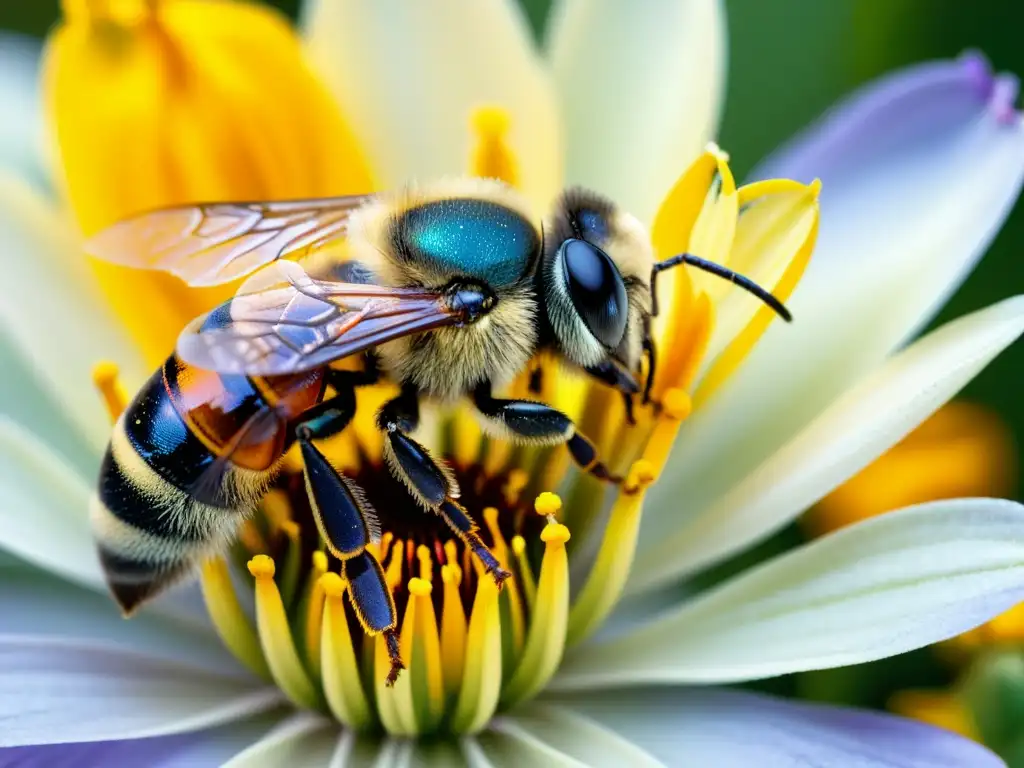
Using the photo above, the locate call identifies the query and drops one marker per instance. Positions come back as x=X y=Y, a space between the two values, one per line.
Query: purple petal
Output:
x=211 y=747
x=735 y=729
x=887 y=115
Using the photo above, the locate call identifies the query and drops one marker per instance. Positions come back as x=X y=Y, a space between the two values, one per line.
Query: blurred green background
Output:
x=788 y=61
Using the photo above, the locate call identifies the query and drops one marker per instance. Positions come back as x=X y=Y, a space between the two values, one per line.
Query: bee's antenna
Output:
x=717 y=269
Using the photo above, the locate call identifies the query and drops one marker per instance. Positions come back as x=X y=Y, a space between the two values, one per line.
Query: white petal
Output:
x=36 y=603
x=302 y=740
x=735 y=729
x=54 y=692
x=408 y=76
x=888 y=585
x=50 y=307
x=904 y=215
x=641 y=87
x=860 y=426
x=574 y=735
x=44 y=509
x=21 y=129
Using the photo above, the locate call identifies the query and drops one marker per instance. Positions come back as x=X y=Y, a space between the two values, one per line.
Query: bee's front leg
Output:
x=532 y=423
x=429 y=481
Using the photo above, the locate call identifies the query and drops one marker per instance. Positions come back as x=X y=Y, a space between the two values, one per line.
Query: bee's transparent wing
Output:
x=213 y=243
x=283 y=321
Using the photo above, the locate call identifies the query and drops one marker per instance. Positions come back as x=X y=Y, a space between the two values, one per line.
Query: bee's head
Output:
x=595 y=280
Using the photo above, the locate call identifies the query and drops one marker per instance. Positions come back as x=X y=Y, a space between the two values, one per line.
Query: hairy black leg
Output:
x=429 y=481
x=526 y=421
x=347 y=522
x=463 y=526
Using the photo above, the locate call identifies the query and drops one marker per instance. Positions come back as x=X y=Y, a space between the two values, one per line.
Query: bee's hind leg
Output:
x=429 y=481
x=347 y=523
x=529 y=422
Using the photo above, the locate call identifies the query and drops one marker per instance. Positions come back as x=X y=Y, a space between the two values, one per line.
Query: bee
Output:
x=447 y=289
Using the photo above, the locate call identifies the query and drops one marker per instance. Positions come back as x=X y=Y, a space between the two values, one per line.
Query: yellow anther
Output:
x=319 y=561
x=229 y=618
x=262 y=567
x=105 y=377
x=386 y=539
x=548 y=503
x=426 y=558
x=291 y=529
x=676 y=404
x=419 y=587
x=554 y=534
x=492 y=158
x=640 y=475
x=518 y=545
x=451 y=551
x=332 y=584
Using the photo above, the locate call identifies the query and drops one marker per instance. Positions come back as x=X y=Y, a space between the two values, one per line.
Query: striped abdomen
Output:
x=188 y=459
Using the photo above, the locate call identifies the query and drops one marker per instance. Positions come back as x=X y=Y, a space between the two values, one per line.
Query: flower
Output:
x=770 y=433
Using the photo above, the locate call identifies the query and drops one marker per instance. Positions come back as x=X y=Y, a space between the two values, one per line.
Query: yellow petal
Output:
x=185 y=100
x=774 y=239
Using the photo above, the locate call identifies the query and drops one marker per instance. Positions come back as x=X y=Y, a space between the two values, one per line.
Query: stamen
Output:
x=276 y=637
x=608 y=577
x=481 y=678
x=453 y=628
x=105 y=376
x=394 y=697
x=546 y=641
x=343 y=688
x=526 y=579
x=492 y=158
x=500 y=548
x=289 y=581
x=467 y=437
x=313 y=610
x=393 y=573
x=229 y=618
x=676 y=406
x=426 y=559
x=420 y=645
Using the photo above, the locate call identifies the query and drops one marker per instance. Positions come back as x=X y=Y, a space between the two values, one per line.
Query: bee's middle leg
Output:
x=530 y=422
x=429 y=481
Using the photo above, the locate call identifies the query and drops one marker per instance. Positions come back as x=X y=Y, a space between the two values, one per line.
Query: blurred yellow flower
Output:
x=159 y=102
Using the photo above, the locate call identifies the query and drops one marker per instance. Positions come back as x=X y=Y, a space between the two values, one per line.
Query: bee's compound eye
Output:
x=596 y=289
